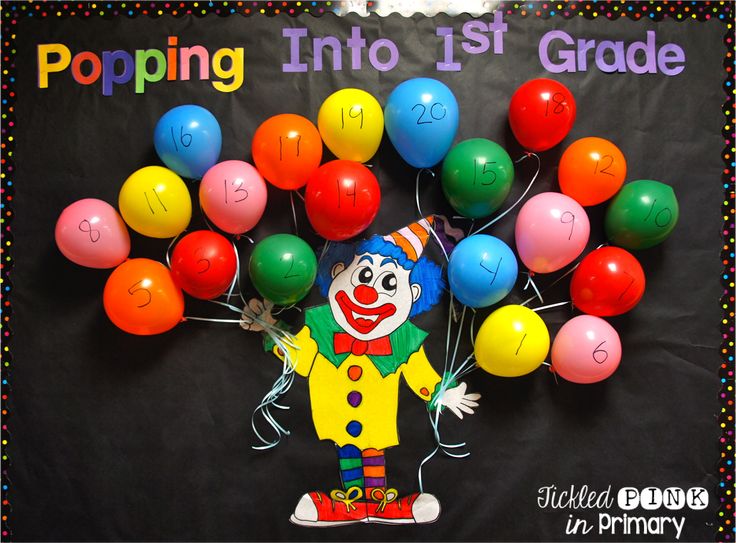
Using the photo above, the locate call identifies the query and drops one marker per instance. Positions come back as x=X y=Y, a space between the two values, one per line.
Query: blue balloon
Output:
x=421 y=118
x=188 y=140
x=482 y=270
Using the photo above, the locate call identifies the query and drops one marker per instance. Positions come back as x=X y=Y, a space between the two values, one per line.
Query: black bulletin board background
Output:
x=118 y=437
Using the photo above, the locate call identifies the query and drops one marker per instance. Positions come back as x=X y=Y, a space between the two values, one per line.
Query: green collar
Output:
x=405 y=340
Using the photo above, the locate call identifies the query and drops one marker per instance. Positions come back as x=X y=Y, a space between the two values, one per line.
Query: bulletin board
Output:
x=113 y=436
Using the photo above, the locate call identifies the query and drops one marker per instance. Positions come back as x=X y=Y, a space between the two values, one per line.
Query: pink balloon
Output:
x=233 y=196
x=586 y=350
x=551 y=231
x=91 y=233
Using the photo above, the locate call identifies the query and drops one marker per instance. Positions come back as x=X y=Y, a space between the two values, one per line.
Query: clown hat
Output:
x=412 y=238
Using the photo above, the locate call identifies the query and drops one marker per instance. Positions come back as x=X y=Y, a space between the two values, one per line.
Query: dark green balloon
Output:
x=476 y=177
x=642 y=214
x=283 y=268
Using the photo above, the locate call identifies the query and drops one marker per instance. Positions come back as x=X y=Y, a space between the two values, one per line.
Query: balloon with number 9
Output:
x=283 y=268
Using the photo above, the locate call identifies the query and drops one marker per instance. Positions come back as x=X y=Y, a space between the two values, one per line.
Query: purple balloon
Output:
x=586 y=350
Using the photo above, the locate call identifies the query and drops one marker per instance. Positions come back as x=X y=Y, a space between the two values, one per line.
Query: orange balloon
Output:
x=287 y=148
x=141 y=298
x=591 y=171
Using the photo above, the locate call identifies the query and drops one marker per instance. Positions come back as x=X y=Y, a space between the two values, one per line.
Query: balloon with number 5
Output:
x=342 y=199
x=350 y=122
x=551 y=231
x=233 y=196
x=511 y=342
x=188 y=140
x=421 y=117
x=541 y=113
x=586 y=350
x=90 y=233
x=591 y=170
x=283 y=268
x=141 y=298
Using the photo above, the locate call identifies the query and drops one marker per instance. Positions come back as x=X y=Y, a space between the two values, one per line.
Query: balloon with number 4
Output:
x=591 y=170
x=141 y=298
x=287 y=148
x=609 y=281
x=233 y=196
x=511 y=342
x=551 y=231
x=203 y=264
x=642 y=215
x=90 y=233
x=586 y=350
x=350 y=122
x=283 y=268
x=342 y=199
x=541 y=114
x=188 y=140
x=421 y=117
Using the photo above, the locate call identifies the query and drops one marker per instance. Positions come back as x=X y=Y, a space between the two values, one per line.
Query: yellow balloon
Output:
x=350 y=122
x=155 y=202
x=512 y=341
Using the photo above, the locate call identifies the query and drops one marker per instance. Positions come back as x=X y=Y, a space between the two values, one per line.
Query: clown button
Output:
x=354 y=428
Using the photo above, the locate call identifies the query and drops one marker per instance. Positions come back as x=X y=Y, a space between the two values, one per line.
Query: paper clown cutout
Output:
x=353 y=352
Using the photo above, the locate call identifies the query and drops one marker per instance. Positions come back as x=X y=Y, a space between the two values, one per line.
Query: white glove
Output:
x=457 y=401
x=261 y=311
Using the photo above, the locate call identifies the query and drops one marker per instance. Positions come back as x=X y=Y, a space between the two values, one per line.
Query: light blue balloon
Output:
x=188 y=140
x=482 y=270
x=421 y=118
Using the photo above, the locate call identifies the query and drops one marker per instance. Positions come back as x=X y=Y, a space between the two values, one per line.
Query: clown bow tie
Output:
x=345 y=343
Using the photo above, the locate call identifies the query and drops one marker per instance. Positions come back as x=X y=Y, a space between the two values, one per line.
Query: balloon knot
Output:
x=237 y=237
x=528 y=154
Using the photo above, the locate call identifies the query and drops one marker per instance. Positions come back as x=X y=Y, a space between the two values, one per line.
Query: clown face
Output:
x=372 y=296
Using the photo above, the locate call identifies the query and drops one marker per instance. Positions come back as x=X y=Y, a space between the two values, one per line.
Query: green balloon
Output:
x=476 y=177
x=283 y=268
x=642 y=214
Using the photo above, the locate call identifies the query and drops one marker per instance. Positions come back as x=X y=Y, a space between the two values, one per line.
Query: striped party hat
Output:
x=412 y=238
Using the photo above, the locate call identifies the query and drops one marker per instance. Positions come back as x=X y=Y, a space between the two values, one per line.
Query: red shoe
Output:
x=336 y=509
x=411 y=509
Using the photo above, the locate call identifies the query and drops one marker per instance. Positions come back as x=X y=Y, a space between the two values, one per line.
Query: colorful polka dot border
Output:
x=11 y=13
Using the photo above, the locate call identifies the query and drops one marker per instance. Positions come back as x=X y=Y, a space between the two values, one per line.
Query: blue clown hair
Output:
x=423 y=272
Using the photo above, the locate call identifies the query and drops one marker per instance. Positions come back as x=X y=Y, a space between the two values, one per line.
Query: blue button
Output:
x=354 y=428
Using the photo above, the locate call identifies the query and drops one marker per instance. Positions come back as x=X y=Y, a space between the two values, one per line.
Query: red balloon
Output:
x=541 y=113
x=609 y=281
x=203 y=264
x=342 y=199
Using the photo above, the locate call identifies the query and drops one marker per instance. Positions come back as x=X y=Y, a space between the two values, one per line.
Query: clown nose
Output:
x=365 y=295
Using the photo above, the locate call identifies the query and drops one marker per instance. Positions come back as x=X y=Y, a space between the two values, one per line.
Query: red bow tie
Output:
x=345 y=343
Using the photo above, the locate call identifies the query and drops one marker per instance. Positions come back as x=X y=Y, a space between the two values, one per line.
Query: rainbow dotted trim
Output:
x=11 y=13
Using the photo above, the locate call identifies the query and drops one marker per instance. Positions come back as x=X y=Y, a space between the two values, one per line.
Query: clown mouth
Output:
x=363 y=319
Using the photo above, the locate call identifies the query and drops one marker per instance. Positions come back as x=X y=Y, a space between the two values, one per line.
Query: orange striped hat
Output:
x=412 y=239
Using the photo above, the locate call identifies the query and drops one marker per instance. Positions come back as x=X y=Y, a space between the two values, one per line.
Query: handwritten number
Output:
x=347 y=192
x=492 y=272
x=288 y=274
x=182 y=138
x=424 y=110
x=437 y=112
x=132 y=290
x=442 y=110
x=357 y=115
x=559 y=100
x=238 y=189
x=281 y=146
x=599 y=350
x=519 y=347
x=633 y=280
x=570 y=221
x=658 y=221
x=486 y=169
x=604 y=170
x=94 y=234
x=204 y=263
x=145 y=193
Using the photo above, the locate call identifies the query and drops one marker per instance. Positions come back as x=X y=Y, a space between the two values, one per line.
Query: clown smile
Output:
x=363 y=319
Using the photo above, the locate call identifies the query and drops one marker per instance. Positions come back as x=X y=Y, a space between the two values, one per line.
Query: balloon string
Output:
x=472 y=328
x=530 y=282
x=324 y=250
x=568 y=272
x=293 y=212
x=299 y=194
x=534 y=178
x=168 y=249
x=550 y=306
x=416 y=192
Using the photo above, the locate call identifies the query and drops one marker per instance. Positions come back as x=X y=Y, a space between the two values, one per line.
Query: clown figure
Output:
x=353 y=352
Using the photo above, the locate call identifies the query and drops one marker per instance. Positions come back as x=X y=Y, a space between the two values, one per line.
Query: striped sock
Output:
x=374 y=470
x=351 y=467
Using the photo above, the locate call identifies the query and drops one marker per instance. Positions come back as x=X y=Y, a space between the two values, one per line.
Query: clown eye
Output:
x=389 y=282
x=365 y=276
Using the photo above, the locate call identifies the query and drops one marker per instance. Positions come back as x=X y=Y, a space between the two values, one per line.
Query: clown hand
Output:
x=457 y=401
x=257 y=315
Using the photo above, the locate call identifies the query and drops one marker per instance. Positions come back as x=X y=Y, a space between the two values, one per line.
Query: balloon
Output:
x=286 y=149
x=551 y=231
x=642 y=215
x=342 y=199
x=511 y=342
x=203 y=264
x=140 y=297
x=608 y=282
x=591 y=171
x=350 y=122
x=421 y=118
x=233 y=196
x=476 y=177
x=541 y=114
x=188 y=140
x=586 y=350
x=90 y=233
x=482 y=270
x=155 y=202
x=283 y=268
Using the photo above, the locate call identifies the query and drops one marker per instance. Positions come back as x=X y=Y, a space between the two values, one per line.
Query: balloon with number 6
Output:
x=233 y=196
x=421 y=117
x=90 y=233
x=283 y=268
x=541 y=113
x=350 y=122
x=141 y=298
x=642 y=215
x=551 y=231
x=591 y=170
x=203 y=264
x=188 y=140
x=155 y=202
x=586 y=350
x=511 y=342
